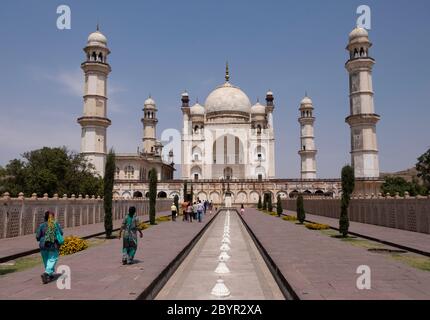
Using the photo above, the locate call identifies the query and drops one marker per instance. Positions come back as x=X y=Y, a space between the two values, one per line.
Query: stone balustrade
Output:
x=21 y=216
x=406 y=213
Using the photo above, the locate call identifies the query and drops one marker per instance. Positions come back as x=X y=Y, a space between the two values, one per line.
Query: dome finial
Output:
x=98 y=26
x=227 y=74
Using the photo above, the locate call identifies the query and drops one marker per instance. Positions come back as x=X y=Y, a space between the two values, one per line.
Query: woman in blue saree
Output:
x=130 y=226
x=48 y=235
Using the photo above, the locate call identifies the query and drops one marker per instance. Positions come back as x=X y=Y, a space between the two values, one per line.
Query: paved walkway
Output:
x=320 y=267
x=97 y=273
x=416 y=240
x=15 y=245
x=248 y=279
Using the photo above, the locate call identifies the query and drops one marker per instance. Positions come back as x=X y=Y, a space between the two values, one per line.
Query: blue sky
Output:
x=164 y=47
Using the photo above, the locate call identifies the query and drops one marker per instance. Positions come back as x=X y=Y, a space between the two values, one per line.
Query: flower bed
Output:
x=72 y=245
x=317 y=226
x=289 y=218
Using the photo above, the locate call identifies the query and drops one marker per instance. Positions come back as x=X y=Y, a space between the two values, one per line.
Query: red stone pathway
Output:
x=320 y=267
x=97 y=273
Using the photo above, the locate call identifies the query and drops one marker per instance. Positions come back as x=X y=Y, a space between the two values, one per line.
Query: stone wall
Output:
x=409 y=213
x=21 y=216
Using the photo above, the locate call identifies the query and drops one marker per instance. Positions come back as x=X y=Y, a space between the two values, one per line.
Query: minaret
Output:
x=307 y=140
x=149 y=122
x=94 y=121
x=362 y=119
x=270 y=106
x=186 y=144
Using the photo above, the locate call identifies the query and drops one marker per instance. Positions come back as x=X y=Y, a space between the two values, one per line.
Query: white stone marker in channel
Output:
x=223 y=257
x=225 y=247
x=220 y=290
x=222 y=268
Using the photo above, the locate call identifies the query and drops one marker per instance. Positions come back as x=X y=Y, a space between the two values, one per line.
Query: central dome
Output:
x=227 y=99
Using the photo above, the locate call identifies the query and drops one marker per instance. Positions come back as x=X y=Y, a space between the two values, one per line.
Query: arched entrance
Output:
x=162 y=194
x=137 y=194
x=228 y=173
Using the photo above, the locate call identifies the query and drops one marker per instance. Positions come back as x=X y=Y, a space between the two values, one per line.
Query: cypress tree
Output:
x=301 y=215
x=176 y=201
x=348 y=184
x=152 y=195
x=265 y=202
x=279 y=209
x=269 y=203
x=260 y=205
x=107 y=192
x=185 y=191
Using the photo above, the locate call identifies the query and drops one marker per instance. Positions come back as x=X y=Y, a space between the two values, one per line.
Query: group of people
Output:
x=196 y=210
x=50 y=237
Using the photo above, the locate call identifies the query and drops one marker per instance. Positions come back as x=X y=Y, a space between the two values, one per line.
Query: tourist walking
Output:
x=130 y=227
x=184 y=207
x=211 y=205
x=200 y=210
x=174 y=210
x=195 y=210
x=50 y=237
x=242 y=209
x=190 y=212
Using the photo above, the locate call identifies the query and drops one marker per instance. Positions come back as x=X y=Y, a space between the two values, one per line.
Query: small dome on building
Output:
x=358 y=32
x=258 y=108
x=306 y=100
x=149 y=102
x=97 y=38
x=197 y=109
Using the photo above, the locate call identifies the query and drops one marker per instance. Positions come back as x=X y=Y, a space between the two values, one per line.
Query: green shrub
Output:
x=301 y=215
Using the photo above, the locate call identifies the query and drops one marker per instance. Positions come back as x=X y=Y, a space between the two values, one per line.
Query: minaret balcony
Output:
x=363 y=118
x=95 y=121
x=96 y=66
x=308 y=152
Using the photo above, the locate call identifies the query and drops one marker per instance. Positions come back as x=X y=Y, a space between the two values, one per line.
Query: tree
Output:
x=423 y=168
x=152 y=195
x=265 y=202
x=51 y=170
x=260 y=205
x=348 y=184
x=279 y=209
x=393 y=185
x=108 y=191
x=176 y=201
x=185 y=191
x=301 y=214
x=269 y=203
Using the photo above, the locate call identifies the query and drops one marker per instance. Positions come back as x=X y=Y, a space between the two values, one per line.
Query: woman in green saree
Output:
x=49 y=235
x=130 y=226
